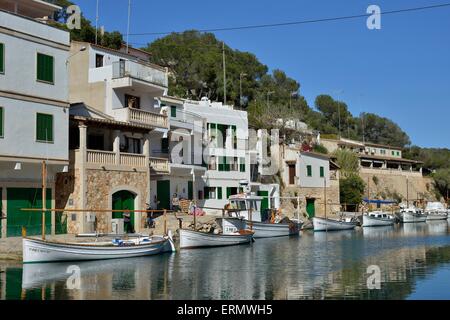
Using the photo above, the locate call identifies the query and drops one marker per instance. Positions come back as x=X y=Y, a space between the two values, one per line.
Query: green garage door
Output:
x=123 y=200
x=163 y=194
x=30 y=198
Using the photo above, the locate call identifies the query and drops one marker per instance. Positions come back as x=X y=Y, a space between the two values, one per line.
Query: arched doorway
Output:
x=123 y=200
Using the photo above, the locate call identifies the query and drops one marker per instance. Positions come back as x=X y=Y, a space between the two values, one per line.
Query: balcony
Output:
x=148 y=73
x=96 y=159
x=147 y=118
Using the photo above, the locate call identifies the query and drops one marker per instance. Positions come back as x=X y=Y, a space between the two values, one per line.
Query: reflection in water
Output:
x=329 y=265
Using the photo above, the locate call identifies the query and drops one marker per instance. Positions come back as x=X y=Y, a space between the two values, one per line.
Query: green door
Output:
x=190 y=190
x=163 y=194
x=310 y=207
x=29 y=198
x=123 y=200
x=1 y=211
x=265 y=200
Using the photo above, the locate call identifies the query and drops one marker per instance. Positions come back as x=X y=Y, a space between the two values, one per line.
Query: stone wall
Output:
x=391 y=185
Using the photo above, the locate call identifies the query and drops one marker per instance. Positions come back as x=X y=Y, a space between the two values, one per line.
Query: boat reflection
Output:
x=437 y=227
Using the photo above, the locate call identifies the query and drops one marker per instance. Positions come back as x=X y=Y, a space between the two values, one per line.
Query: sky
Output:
x=400 y=71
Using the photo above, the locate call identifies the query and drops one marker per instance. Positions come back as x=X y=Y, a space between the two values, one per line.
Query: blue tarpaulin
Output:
x=379 y=201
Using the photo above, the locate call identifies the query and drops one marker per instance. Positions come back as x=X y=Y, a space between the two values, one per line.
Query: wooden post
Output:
x=44 y=196
x=325 y=196
x=250 y=218
x=165 y=222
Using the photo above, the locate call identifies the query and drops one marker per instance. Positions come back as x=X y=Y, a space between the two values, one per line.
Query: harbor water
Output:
x=413 y=260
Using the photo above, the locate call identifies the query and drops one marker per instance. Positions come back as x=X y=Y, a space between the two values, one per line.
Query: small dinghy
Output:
x=436 y=211
x=326 y=224
x=195 y=239
x=378 y=219
x=248 y=215
x=37 y=250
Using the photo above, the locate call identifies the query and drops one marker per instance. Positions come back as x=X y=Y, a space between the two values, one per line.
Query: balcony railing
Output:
x=144 y=72
x=132 y=160
x=159 y=165
x=146 y=117
x=101 y=157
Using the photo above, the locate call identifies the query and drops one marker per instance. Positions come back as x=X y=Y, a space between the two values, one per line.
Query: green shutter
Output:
x=309 y=171
x=173 y=112
x=2 y=58
x=222 y=163
x=44 y=127
x=1 y=122
x=234 y=136
x=242 y=165
x=322 y=172
x=227 y=164
x=206 y=192
x=228 y=192
x=219 y=193
x=45 y=68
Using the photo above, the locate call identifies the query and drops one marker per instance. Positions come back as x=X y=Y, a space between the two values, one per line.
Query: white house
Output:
x=33 y=112
x=208 y=146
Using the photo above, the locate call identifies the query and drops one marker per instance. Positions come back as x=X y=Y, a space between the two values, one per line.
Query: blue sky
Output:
x=400 y=72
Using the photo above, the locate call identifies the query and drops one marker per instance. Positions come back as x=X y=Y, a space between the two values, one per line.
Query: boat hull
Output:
x=409 y=217
x=369 y=221
x=321 y=224
x=436 y=217
x=39 y=251
x=196 y=239
x=261 y=229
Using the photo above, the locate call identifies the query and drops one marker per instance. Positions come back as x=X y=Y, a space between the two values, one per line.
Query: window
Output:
x=96 y=142
x=223 y=165
x=44 y=127
x=173 y=112
x=231 y=191
x=322 y=172
x=210 y=193
x=291 y=173
x=234 y=165
x=2 y=58
x=1 y=122
x=242 y=165
x=234 y=136
x=393 y=153
x=219 y=193
x=134 y=145
x=398 y=153
x=45 y=71
x=212 y=163
x=309 y=171
x=223 y=135
x=98 y=60
x=212 y=132
x=132 y=102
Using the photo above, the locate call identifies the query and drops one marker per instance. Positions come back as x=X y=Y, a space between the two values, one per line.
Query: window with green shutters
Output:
x=322 y=172
x=173 y=112
x=219 y=193
x=309 y=171
x=45 y=68
x=44 y=127
x=224 y=165
x=1 y=122
x=2 y=58
x=242 y=165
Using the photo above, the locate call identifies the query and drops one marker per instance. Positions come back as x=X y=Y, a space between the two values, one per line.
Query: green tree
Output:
x=351 y=191
x=348 y=161
x=442 y=182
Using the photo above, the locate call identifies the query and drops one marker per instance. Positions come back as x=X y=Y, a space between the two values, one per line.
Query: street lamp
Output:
x=81 y=50
x=240 y=87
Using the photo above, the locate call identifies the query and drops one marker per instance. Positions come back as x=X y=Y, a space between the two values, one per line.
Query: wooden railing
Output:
x=160 y=165
x=101 y=157
x=149 y=118
x=132 y=160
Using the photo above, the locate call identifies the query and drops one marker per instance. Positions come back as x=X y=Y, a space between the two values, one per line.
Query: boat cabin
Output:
x=380 y=215
x=248 y=207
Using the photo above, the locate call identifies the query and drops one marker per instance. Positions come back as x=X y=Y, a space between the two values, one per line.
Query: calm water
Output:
x=414 y=261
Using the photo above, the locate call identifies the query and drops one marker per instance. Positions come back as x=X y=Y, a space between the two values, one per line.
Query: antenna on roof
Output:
x=96 y=25
x=128 y=27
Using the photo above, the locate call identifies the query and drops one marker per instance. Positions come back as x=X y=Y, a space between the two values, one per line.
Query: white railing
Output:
x=145 y=72
x=146 y=117
x=391 y=172
x=101 y=157
x=159 y=164
x=133 y=160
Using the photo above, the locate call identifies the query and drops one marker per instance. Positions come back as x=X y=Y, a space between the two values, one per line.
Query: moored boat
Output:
x=39 y=251
x=412 y=215
x=326 y=224
x=436 y=211
x=195 y=239
x=248 y=215
x=378 y=219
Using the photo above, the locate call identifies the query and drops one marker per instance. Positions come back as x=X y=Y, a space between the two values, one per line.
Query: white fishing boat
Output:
x=245 y=213
x=37 y=250
x=325 y=224
x=378 y=219
x=436 y=211
x=195 y=239
x=412 y=215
